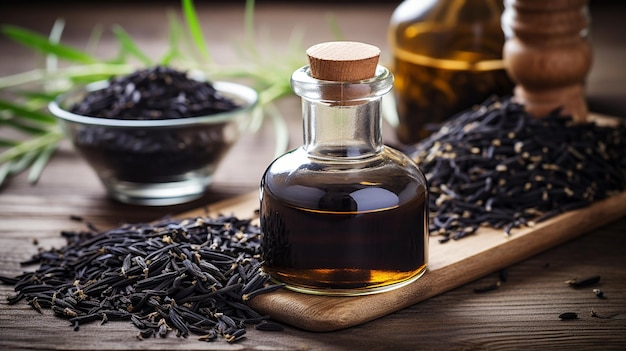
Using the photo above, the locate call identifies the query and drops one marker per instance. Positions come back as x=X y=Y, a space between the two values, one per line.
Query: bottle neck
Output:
x=352 y=131
x=342 y=119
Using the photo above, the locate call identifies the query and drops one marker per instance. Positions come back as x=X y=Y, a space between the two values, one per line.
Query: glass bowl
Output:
x=155 y=162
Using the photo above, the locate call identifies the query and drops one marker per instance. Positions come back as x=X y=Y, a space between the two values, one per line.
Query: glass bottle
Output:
x=447 y=57
x=343 y=214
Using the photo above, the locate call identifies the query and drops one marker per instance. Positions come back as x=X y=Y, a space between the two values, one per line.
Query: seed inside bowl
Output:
x=154 y=155
x=154 y=93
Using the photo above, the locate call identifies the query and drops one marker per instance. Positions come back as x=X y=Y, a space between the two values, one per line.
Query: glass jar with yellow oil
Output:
x=447 y=57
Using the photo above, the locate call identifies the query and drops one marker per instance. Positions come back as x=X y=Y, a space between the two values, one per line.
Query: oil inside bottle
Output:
x=342 y=238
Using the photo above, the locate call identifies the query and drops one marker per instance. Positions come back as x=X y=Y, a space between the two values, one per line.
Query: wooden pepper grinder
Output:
x=548 y=54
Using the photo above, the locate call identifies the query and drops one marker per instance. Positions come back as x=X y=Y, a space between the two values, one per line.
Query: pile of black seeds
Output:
x=183 y=277
x=497 y=166
x=154 y=93
x=153 y=155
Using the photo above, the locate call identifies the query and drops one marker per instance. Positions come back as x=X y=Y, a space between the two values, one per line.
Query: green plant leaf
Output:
x=43 y=45
x=94 y=38
x=19 y=165
x=129 y=46
x=195 y=30
x=82 y=73
x=24 y=112
x=29 y=145
x=40 y=163
x=175 y=34
x=45 y=96
x=5 y=169
x=24 y=127
x=8 y=143
x=333 y=24
x=249 y=28
x=281 y=130
x=52 y=62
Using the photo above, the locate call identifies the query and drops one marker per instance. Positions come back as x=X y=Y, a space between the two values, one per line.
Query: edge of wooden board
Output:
x=450 y=265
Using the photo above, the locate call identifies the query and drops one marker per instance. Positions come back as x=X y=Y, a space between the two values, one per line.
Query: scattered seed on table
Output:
x=174 y=276
x=575 y=283
x=568 y=315
x=596 y=315
x=487 y=288
x=504 y=275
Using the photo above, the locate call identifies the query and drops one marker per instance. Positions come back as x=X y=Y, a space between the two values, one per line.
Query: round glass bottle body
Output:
x=343 y=214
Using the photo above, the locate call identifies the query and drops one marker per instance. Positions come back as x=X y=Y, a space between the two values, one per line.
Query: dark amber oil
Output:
x=344 y=239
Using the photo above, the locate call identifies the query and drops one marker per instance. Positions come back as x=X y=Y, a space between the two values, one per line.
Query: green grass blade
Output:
x=52 y=62
x=195 y=30
x=31 y=144
x=24 y=112
x=94 y=38
x=276 y=91
x=249 y=27
x=333 y=25
x=45 y=96
x=8 y=143
x=40 y=163
x=129 y=45
x=5 y=169
x=89 y=72
x=280 y=129
x=21 y=78
x=42 y=44
x=175 y=33
x=18 y=166
x=24 y=127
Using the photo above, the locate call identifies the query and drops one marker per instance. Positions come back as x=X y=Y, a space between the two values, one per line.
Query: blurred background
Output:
x=274 y=21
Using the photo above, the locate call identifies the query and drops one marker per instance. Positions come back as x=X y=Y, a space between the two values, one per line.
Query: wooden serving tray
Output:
x=450 y=265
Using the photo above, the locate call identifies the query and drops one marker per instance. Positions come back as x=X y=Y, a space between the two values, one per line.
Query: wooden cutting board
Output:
x=450 y=265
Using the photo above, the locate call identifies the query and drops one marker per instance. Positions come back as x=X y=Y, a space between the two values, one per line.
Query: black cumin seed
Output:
x=486 y=288
x=504 y=275
x=568 y=315
x=583 y=282
x=264 y=290
x=235 y=335
x=599 y=293
x=209 y=336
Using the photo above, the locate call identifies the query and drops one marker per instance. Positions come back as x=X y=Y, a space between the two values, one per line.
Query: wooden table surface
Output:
x=521 y=314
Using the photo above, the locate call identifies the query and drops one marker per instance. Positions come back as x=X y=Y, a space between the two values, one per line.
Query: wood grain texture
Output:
x=521 y=314
x=524 y=309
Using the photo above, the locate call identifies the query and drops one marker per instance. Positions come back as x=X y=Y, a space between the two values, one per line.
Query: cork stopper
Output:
x=343 y=61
